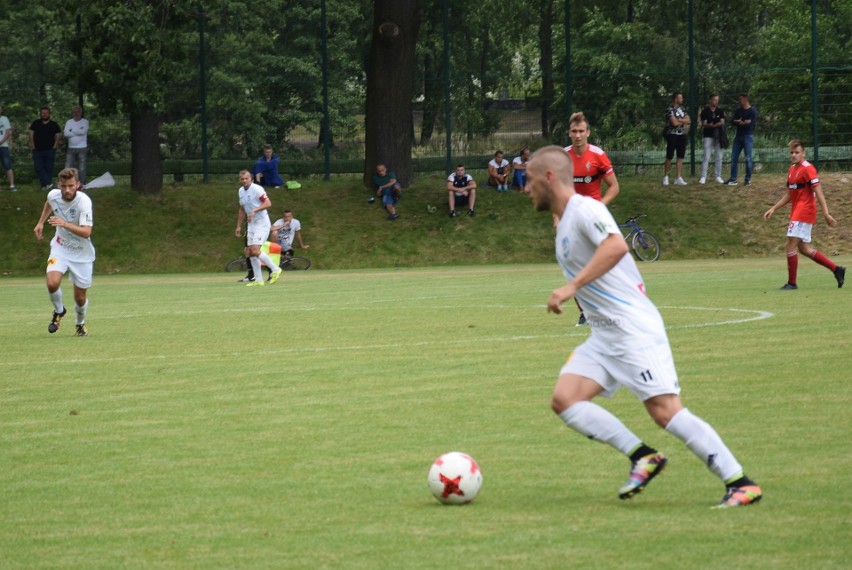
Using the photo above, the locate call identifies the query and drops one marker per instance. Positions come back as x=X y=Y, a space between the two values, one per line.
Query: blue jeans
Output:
x=43 y=161
x=742 y=142
x=76 y=158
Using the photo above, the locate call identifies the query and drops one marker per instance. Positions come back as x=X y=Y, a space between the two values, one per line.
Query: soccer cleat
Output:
x=840 y=275
x=392 y=217
x=471 y=213
x=82 y=330
x=679 y=181
x=54 y=322
x=246 y=279
x=645 y=469
x=256 y=283
x=274 y=277
x=789 y=287
x=13 y=188
x=371 y=200
x=452 y=213
x=582 y=322
x=740 y=497
x=719 y=180
x=731 y=182
x=665 y=180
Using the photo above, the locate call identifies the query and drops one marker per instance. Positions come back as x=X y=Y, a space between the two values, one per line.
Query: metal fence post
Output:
x=448 y=120
x=202 y=86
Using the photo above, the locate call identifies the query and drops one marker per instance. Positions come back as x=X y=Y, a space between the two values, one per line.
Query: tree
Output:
x=390 y=86
x=138 y=48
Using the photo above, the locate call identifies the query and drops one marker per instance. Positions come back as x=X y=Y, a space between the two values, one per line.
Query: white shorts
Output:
x=257 y=233
x=80 y=271
x=801 y=230
x=647 y=372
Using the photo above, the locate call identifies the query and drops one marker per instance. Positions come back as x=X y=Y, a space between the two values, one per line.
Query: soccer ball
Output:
x=455 y=478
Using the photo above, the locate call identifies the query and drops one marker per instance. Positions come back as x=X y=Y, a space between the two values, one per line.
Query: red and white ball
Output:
x=455 y=478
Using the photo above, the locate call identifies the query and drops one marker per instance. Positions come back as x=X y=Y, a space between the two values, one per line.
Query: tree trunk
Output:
x=390 y=85
x=545 y=36
x=146 y=167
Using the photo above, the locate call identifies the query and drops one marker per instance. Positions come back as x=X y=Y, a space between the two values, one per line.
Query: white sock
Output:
x=267 y=261
x=56 y=299
x=705 y=443
x=81 y=312
x=255 y=266
x=597 y=423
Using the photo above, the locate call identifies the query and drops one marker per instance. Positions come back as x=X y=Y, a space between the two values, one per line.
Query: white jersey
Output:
x=615 y=304
x=251 y=198
x=287 y=233
x=77 y=133
x=499 y=168
x=5 y=126
x=78 y=212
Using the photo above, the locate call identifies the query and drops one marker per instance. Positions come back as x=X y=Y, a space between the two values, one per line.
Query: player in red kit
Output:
x=591 y=167
x=803 y=192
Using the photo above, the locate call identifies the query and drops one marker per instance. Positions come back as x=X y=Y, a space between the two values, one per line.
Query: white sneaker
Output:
x=665 y=180
x=680 y=182
x=702 y=180
x=719 y=180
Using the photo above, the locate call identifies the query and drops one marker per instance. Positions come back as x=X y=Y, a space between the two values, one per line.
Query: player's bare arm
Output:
x=39 y=228
x=829 y=219
x=82 y=231
x=782 y=202
x=608 y=254
x=612 y=188
x=241 y=215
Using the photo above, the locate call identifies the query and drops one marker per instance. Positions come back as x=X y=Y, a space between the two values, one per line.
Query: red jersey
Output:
x=589 y=169
x=801 y=180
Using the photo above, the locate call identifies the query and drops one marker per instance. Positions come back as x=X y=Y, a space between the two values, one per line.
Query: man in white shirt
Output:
x=5 y=156
x=253 y=205
x=628 y=345
x=77 y=133
x=71 y=250
x=285 y=231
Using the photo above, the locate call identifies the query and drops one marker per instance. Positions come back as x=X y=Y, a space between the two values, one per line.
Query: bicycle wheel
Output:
x=295 y=263
x=239 y=264
x=646 y=246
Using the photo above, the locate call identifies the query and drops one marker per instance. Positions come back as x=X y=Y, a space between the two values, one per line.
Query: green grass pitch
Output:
x=204 y=424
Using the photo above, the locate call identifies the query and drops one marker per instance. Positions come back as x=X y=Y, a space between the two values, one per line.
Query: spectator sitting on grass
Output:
x=498 y=172
x=265 y=170
x=388 y=188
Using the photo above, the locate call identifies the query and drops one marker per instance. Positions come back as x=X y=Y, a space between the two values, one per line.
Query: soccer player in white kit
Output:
x=71 y=250
x=628 y=345
x=253 y=205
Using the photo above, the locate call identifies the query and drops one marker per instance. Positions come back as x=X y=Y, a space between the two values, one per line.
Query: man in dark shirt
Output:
x=45 y=135
x=744 y=119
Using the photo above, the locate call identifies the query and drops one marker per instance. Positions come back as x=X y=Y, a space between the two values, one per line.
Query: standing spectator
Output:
x=71 y=249
x=461 y=188
x=745 y=118
x=77 y=133
x=388 y=188
x=803 y=191
x=591 y=166
x=45 y=135
x=713 y=121
x=5 y=156
x=265 y=170
x=287 y=230
x=628 y=346
x=519 y=169
x=253 y=205
x=677 y=125
x=498 y=172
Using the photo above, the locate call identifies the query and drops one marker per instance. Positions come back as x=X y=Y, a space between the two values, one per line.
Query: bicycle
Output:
x=644 y=244
x=288 y=263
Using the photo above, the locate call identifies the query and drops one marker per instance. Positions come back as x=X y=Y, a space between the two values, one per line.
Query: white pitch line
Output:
x=756 y=315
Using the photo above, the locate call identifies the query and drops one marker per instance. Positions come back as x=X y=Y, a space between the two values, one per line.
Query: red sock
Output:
x=792 y=267
x=823 y=260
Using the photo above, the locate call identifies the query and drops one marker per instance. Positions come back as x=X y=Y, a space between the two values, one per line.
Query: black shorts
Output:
x=675 y=143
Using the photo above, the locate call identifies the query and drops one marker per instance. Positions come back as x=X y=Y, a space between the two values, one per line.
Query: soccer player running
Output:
x=253 y=205
x=803 y=191
x=628 y=345
x=71 y=249
x=591 y=167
